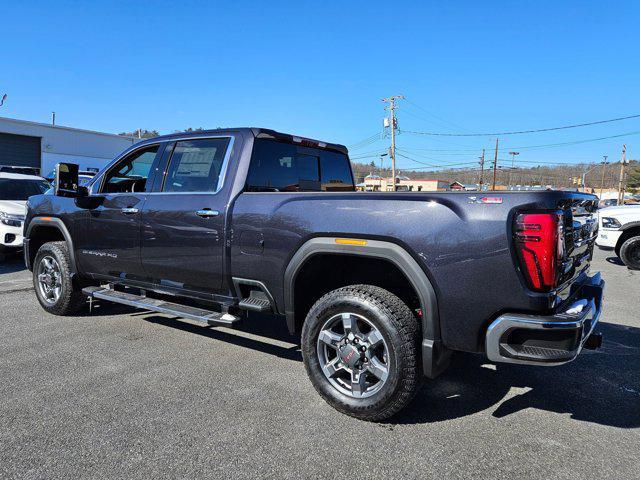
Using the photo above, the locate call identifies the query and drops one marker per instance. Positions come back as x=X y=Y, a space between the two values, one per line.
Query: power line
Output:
x=518 y=132
x=435 y=166
x=436 y=116
x=417 y=161
x=353 y=159
x=376 y=152
x=455 y=151
x=366 y=141
x=575 y=142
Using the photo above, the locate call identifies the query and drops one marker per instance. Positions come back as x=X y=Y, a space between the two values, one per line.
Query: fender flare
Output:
x=434 y=355
x=630 y=225
x=50 y=222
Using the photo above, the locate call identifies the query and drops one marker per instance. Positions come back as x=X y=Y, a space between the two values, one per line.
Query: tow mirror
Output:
x=66 y=180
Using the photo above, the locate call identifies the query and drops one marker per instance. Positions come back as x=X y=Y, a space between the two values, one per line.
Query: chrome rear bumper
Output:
x=547 y=340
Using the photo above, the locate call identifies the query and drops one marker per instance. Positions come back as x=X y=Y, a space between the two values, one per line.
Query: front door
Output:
x=111 y=244
x=183 y=223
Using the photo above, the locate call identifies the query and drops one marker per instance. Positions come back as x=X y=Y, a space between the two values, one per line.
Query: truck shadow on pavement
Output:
x=601 y=387
x=11 y=263
x=262 y=329
x=615 y=261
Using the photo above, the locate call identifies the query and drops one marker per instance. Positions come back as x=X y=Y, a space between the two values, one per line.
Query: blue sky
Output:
x=320 y=69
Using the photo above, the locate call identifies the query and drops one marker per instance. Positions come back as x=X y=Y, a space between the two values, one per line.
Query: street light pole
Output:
x=584 y=175
x=480 y=180
x=604 y=168
x=513 y=164
x=380 y=174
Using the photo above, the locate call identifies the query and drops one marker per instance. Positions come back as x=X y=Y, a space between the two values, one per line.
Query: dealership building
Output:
x=42 y=145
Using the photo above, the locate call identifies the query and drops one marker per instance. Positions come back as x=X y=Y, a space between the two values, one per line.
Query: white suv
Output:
x=15 y=189
x=619 y=229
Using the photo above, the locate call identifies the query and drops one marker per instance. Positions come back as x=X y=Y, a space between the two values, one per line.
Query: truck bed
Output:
x=463 y=245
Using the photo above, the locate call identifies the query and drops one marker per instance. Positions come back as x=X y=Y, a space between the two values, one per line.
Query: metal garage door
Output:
x=19 y=150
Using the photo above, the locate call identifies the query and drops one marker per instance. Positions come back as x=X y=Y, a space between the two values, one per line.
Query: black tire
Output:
x=400 y=330
x=71 y=299
x=630 y=252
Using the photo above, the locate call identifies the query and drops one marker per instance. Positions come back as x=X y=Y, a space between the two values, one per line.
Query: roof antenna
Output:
x=4 y=97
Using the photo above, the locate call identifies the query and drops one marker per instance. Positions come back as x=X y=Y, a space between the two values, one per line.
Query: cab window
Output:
x=284 y=167
x=130 y=175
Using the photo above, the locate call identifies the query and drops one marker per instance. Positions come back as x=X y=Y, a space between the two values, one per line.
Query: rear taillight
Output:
x=539 y=244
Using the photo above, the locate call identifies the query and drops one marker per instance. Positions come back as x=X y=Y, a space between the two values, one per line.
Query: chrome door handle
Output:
x=129 y=210
x=207 y=213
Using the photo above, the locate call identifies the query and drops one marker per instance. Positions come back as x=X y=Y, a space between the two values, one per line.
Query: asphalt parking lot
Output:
x=126 y=394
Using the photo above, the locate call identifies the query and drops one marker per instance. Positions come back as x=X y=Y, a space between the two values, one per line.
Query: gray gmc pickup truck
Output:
x=381 y=288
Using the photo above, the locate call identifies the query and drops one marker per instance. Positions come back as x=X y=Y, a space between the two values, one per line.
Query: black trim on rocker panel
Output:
x=434 y=355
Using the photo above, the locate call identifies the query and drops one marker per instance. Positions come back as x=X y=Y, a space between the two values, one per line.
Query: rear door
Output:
x=110 y=243
x=183 y=221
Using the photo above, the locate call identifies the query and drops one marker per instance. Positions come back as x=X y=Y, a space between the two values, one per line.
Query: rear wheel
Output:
x=360 y=349
x=630 y=252
x=53 y=282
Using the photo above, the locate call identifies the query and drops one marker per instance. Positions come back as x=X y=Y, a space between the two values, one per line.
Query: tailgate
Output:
x=580 y=232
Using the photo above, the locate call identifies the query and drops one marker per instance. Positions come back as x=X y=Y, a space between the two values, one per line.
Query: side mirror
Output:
x=66 y=183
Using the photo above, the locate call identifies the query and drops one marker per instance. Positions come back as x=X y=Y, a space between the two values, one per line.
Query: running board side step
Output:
x=145 y=303
x=255 y=304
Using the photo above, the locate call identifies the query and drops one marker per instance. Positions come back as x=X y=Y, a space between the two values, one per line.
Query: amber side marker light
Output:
x=45 y=219
x=351 y=241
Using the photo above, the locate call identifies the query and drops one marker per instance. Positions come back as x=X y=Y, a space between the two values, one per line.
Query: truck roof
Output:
x=257 y=133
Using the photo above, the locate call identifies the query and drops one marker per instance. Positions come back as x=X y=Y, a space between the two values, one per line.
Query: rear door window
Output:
x=283 y=167
x=196 y=165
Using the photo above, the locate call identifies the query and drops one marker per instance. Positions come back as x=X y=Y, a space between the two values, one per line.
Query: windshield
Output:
x=13 y=189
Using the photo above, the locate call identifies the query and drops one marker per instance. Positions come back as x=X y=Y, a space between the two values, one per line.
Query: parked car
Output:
x=620 y=230
x=380 y=288
x=15 y=189
x=84 y=176
x=19 y=169
x=608 y=202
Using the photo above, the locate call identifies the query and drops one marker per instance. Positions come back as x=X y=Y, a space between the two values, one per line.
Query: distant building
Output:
x=40 y=145
x=469 y=187
x=376 y=183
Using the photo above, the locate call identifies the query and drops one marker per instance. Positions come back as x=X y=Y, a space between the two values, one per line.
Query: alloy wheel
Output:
x=49 y=279
x=353 y=355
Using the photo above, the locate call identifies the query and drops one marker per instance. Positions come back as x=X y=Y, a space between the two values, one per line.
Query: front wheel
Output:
x=360 y=347
x=630 y=252
x=53 y=282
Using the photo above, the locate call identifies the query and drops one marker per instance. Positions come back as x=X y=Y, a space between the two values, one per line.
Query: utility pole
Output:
x=621 y=180
x=53 y=118
x=513 y=164
x=495 y=166
x=392 y=150
x=481 y=180
x=604 y=169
